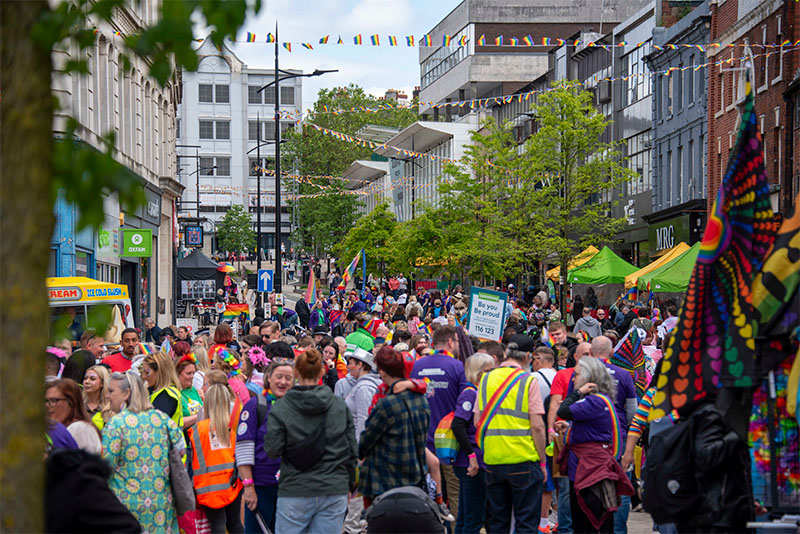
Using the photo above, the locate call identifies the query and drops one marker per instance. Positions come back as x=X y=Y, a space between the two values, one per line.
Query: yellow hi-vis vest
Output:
x=172 y=392
x=507 y=434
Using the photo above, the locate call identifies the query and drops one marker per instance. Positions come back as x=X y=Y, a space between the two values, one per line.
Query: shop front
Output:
x=681 y=224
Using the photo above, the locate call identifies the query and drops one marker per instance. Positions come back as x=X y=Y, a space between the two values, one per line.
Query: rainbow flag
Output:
x=528 y=40
x=288 y=46
x=235 y=310
x=308 y=45
x=348 y=273
x=270 y=38
x=482 y=40
x=340 y=40
x=514 y=41
x=547 y=338
x=427 y=329
x=498 y=41
x=446 y=40
x=324 y=40
x=376 y=41
x=427 y=41
x=462 y=41
x=392 y=40
x=410 y=40
x=311 y=291
x=251 y=37
x=632 y=294
x=144 y=348
x=357 y=39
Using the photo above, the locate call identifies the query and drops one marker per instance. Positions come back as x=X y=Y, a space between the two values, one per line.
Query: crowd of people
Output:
x=363 y=412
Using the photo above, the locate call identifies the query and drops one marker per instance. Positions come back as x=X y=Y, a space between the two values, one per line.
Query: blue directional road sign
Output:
x=265 y=280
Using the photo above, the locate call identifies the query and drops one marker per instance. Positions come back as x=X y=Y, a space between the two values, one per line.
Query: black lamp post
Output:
x=280 y=76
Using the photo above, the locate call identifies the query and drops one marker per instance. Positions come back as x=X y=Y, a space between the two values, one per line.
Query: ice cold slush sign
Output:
x=487 y=311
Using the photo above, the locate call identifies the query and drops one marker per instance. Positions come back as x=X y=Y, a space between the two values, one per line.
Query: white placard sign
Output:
x=190 y=324
x=487 y=313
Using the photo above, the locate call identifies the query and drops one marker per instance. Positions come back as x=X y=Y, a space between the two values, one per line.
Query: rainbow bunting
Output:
x=482 y=40
x=324 y=40
x=714 y=344
x=270 y=38
x=308 y=45
x=376 y=40
x=427 y=40
x=462 y=41
x=392 y=40
x=498 y=41
x=311 y=291
x=235 y=310
x=251 y=37
x=288 y=46
x=340 y=40
x=528 y=40
x=446 y=40
x=410 y=40
x=357 y=39
x=514 y=41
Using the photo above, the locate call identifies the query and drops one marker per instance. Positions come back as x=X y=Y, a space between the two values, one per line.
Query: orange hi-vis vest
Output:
x=215 y=482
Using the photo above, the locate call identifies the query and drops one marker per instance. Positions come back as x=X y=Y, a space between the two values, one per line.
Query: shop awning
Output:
x=554 y=274
x=604 y=268
x=674 y=252
x=672 y=277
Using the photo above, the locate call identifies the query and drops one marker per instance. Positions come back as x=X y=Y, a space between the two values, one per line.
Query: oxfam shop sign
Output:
x=137 y=243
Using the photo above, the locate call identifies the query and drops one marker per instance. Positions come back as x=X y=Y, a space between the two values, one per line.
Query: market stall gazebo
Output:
x=632 y=279
x=672 y=277
x=591 y=251
x=604 y=268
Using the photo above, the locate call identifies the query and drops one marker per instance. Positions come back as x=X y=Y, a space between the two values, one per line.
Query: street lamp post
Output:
x=279 y=77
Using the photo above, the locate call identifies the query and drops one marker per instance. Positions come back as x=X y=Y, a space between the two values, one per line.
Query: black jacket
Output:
x=723 y=463
x=303 y=312
x=78 y=498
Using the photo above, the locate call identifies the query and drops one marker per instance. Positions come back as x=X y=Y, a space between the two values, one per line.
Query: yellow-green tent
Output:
x=674 y=252
x=554 y=274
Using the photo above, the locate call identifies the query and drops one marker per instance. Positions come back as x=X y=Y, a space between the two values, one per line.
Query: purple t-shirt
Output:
x=464 y=407
x=60 y=438
x=446 y=379
x=625 y=391
x=590 y=422
x=265 y=467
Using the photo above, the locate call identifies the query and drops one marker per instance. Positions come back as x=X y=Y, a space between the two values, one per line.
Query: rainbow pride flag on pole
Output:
x=348 y=273
x=235 y=310
x=547 y=338
x=311 y=291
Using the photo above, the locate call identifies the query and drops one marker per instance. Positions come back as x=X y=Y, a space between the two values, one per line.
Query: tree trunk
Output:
x=26 y=224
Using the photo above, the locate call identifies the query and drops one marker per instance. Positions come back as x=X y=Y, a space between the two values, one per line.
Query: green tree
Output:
x=35 y=169
x=373 y=232
x=577 y=176
x=235 y=231
x=325 y=219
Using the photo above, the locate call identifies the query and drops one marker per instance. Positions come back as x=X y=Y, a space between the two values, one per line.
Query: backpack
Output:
x=444 y=438
x=402 y=510
x=307 y=452
x=671 y=489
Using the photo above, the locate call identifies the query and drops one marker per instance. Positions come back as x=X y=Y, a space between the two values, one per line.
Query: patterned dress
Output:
x=137 y=447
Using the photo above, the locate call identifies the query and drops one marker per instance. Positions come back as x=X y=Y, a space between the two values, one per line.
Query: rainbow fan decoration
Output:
x=714 y=343
x=629 y=355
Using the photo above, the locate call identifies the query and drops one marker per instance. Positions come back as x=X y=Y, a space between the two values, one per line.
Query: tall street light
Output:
x=281 y=75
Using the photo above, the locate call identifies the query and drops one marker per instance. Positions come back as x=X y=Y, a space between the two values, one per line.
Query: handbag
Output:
x=182 y=487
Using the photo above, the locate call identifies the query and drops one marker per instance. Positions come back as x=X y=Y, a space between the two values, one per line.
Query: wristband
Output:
x=551 y=431
x=473 y=455
x=543 y=463
x=247 y=482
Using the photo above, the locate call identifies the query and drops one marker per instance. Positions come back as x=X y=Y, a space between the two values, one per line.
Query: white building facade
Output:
x=221 y=119
x=141 y=115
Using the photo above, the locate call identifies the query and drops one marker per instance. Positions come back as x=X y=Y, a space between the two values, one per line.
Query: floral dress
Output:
x=137 y=447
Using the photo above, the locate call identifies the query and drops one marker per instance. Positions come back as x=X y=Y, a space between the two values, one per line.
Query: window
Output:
x=679 y=173
x=206 y=129
x=253 y=96
x=689 y=79
x=252 y=130
x=223 y=130
x=287 y=96
x=223 y=166
x=700 y=81
x=690 y=170
x=269 y=95
x=668 y=177
x=254 y=161
x=222 y=94
x=721 y=89
x=178 y=128
x=206 y=166
x=678 y=86
x=668 y=86
x=269 y=131
x=205 y=93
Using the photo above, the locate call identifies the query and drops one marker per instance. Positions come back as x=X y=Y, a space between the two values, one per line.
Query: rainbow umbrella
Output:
x=226 y=268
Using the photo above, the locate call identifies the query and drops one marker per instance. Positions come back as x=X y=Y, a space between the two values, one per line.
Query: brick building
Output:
x=754 y=23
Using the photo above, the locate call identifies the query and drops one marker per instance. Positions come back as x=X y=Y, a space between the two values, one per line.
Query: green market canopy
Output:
x=604 y=268
x=672 y=277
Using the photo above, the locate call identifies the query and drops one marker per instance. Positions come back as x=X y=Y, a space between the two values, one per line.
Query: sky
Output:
x=376 y=69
